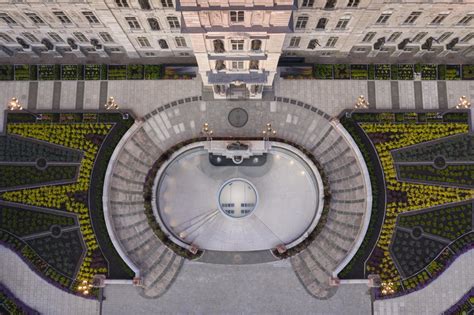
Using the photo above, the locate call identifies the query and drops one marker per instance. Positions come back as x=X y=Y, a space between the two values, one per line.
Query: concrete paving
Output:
x=270 y=288
x=34 y=291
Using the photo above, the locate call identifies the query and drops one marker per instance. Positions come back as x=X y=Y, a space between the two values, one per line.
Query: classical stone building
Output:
x=236 y=43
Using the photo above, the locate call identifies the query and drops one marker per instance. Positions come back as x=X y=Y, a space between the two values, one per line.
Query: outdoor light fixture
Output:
x=463 y=103
x=84 y=287
x=14 y=104
x=112 y=105
x=207 y=131
x=268 y=132
x=387 y=288
x=361 y=103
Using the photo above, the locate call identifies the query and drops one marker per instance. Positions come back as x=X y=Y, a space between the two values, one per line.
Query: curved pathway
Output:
x=438 y=296
x=34 y=291
x=295 y=121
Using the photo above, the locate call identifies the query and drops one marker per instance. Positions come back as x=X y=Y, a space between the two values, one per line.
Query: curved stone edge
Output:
x=106 y=200
x=142 y=290
x=368 y=212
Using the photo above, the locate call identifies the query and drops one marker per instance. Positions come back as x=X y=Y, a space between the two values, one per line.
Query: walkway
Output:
x=438 y=296
x=270 y=288
x=36 y=292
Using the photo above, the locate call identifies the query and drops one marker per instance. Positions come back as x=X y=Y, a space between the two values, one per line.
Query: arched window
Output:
x=144 y=4
x=154 y=25
x=322 y=24
x=256 y=44
x=220 y=65
x=330 y=4
x=218 y=46
x=163 y=44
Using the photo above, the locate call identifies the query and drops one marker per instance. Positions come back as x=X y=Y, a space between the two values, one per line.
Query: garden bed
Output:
x=117 y=72
x=9 y=304
x=323 y=72
x=135 y=72
x=382 y=72
x=34 y=176
x=359 y=72
x=342 y=72
x=467 y=72
x=7 y=73
x=49 y=72
x=70 y=72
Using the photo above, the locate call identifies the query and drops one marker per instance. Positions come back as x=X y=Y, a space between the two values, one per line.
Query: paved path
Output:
x=36 y=292
x=438 y=296
x=270 y=288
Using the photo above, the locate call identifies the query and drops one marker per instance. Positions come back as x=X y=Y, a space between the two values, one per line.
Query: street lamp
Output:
x=463 y=103
x=268 y=132
x=14 y=105
x=112 y=105
x=84 y=287
x=361 y=103
x=206 y=130
x=387 y=288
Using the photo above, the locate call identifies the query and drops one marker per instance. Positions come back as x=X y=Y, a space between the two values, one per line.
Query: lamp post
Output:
x=463 y=103
x=14 y=105
x=85 y=287
x=112 y=105
x=268 y=132
x=387 y=288
x=207 y=131
x=361 y=103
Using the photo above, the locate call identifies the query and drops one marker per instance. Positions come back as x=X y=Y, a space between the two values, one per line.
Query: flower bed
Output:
x=69 y=72
x=342 y=72
x=323 y=72
x=152 y=72
x=135 y=72
x=468 y=72
x=405 y=72
x=23 y=222
x=450 y=175
x=59 y=256
x=117 y=72
x=453 y=72
x=6 y=73
x=386 y=134
x=92 y=72
x=428 y=72
x=32 y=176
x=382 y=72
x=49 y=72
x=22 y=72
x=394 y=72
x=464 y=306
x=359 y=72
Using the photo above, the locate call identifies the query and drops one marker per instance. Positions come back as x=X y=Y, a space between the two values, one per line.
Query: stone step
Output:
x=146 y=143
x=132 y=148
x=157 y=281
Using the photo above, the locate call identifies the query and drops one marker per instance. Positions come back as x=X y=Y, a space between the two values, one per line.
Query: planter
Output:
x=323 y=72
x=117 y=72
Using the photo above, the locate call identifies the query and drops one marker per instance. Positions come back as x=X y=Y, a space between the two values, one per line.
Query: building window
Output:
x=237 y=16
x=122 y=3
x=439 y=18
x=7 y=19
x=444 y=36
x=237 y=44
x=301 y=22
x=466 y=39
x=32 y=38
x=62 y=17
x=331 y=42
x=220 y=65
x=163 y=44
x=394 y=36
x=218 y=46
x=143 y=42
x=35 y=18
x=91 y=18
x=412 y=17
x=353 y=3
x=418 y=37
x=342 y=23
x=180 y=42
x=313 y=43
x=383 y=18
x=368 y=37
x=321 y=24
x=56 y=37
x=295 y=42
x=80 y=37
x=167 y=3
x=253 y=65
x=6 y=38
x=144 y=4
x=173 y=22
x=133 y=22
x=154 y=25
x=307 y=3
x=106 y=37
x=237 y=65
x=466 y=20
x=330 y=4
x=256 y=45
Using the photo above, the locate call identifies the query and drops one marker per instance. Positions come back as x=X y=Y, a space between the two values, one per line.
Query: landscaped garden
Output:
x=465 y=305
x=425 y=225
x=55 y=220
x=381 y=72
x=9 y=304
